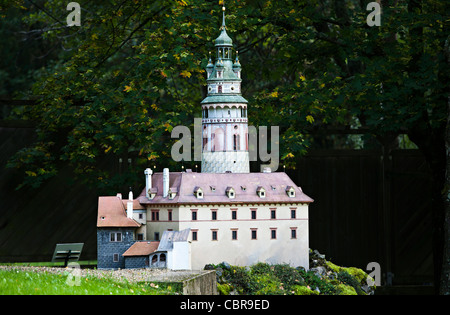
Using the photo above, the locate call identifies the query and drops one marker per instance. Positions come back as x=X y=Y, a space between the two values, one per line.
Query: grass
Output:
x=17 y=282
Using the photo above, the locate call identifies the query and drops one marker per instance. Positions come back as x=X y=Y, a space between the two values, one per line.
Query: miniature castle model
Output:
x=185 y=220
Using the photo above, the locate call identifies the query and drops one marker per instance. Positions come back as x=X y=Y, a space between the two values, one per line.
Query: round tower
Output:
x=224 y=112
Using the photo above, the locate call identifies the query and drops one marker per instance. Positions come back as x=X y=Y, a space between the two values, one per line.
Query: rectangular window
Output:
x=115 y=237
x=194 y=215
x=234 y=235
x=254 y=234
x=214 y=215
x=253 y=214
x=293 y=214
x=155 y=215
x=293 y=233
x=214 y=235
x=194 y=235
x=169 y=215
x=115 y=257
x=140 y=237
x=233 y=214
x=141 y=216
x=156 y=236
x=273 y=234
x=273 y=214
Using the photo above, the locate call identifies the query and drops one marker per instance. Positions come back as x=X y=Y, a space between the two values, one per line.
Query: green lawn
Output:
x=15 y=282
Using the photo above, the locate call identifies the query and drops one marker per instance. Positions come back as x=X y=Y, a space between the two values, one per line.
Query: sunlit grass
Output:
x=18 y=282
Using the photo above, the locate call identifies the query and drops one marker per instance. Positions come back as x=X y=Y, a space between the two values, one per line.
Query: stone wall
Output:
x=135 y=262
x=106 y=249
x=201 y=284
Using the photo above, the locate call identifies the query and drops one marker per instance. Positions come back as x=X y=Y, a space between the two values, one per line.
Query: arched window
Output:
x=236 y=146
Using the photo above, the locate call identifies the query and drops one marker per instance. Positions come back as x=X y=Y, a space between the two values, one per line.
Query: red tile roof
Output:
x=141 y=249
x=112 y=213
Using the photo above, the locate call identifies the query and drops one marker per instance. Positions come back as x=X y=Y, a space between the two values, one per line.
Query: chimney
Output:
x=165 y=182
x=119 y=195
x=148 y=181
x=130 y=205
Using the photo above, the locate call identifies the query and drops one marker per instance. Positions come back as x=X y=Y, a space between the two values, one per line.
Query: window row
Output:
x=215 y=216
x=227 y=112
x=231 y=192
x=253 y=234
x=234 y=214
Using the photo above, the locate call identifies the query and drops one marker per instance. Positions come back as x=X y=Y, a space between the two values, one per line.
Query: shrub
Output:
x=350 y=280
x=302 y=290
x=288 y=276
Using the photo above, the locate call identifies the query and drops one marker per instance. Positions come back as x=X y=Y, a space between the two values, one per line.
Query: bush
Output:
x=263 y=278
x=350 y=280
x=288 y=275
x=302 y=290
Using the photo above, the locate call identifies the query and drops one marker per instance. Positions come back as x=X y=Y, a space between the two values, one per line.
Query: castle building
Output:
x=185 y=220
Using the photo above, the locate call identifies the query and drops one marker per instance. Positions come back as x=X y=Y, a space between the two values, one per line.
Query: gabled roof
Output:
x=112 y=212
x=142 y=248
x=187 y=182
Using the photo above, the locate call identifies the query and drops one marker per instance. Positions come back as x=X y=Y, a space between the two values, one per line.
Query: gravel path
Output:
x=121 y=275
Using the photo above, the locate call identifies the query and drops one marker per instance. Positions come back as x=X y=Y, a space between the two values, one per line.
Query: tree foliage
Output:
x=135 y=70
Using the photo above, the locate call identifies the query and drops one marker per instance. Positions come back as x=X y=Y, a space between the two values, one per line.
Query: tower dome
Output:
x=224 y=39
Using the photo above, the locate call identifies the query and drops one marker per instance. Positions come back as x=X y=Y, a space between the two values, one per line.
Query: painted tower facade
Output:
x=224 y=112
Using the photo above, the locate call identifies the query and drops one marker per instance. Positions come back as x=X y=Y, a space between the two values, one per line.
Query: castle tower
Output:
x=224 y=112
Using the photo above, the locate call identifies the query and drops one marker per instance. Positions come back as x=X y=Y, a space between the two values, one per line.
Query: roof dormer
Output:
x=231 y=193
x=290 y=191
x=198 y=192
x=261 y=192
x=172 y=192
x=152 y=193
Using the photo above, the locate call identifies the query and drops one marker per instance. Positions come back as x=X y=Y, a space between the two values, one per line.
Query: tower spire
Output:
x=223 y=15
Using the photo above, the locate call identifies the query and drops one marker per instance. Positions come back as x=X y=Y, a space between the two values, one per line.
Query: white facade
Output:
x=272 y=233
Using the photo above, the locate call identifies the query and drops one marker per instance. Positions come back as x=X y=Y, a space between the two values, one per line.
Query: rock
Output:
x=319 y=255
x=226 y=265
x=209 y=267
x=319 y=271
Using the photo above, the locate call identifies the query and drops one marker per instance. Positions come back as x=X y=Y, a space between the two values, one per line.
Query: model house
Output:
x=185 y=220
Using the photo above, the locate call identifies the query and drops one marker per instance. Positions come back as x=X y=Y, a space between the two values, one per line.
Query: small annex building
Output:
x=172 y=252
